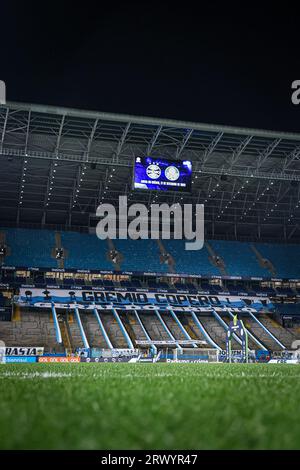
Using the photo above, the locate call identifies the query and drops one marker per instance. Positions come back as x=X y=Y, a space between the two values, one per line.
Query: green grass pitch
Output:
x=149 y=406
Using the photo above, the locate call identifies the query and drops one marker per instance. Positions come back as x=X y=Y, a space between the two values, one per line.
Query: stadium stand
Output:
x=284 y=291
x=196 y=323
x=288 y=309
x=75 y=334
x=85 y=251
x=236 y=288
x=128 y=327
x=238 y=257
x=281 y=256
x=190 y=261
x=113 y=330
x=261 y=334
x=32 y=328
x=262 y=290
x=157 y=284
x=282 y=334
x=93 y=332
x=136 y=325
x=121 y=329
x=37 y=327
x=140 y=255
x=174 y=327
x=214 y=329
x=153 y=326
x=30 y=247
x=33 y=248
x=187 y=286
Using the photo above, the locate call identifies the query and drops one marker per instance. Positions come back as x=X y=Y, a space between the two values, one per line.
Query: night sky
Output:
x=155 y=59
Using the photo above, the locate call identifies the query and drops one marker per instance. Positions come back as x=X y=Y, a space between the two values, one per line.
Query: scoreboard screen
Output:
x=162 y=174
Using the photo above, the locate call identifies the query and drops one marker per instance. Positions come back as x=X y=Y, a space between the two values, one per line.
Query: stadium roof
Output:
x=58 y=164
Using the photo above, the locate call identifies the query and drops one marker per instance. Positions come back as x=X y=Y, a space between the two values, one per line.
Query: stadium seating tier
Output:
x=34 y=248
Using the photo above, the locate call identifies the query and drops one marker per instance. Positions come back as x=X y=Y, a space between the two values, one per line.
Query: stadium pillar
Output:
x=82 y=332
x=56 y=325
x=102 y=329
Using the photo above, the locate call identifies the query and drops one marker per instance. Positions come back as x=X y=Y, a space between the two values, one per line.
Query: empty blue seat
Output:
x=85 y=251
x=30 y=248
x=140 y=255
x=239 y=258
x=190 y=262
x=285 y=258
x=33 y=248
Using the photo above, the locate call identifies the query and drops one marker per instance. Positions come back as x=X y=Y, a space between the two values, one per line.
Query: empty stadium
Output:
x=67 y=296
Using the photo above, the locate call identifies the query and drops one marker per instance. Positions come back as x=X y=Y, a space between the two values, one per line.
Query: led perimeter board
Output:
x=162 y=174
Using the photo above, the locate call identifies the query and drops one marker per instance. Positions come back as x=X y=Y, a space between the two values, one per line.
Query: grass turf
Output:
x=149 y=406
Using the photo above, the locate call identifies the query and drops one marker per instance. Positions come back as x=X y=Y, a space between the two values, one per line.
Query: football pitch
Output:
x=149 y=406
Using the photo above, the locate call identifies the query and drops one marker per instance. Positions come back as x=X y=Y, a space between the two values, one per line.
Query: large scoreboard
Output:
x=162 y=174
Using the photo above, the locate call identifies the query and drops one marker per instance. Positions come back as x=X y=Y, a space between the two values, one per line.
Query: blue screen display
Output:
x=162 y=174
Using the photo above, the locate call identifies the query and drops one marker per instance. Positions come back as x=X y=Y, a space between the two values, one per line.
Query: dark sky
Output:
x=155 y=59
